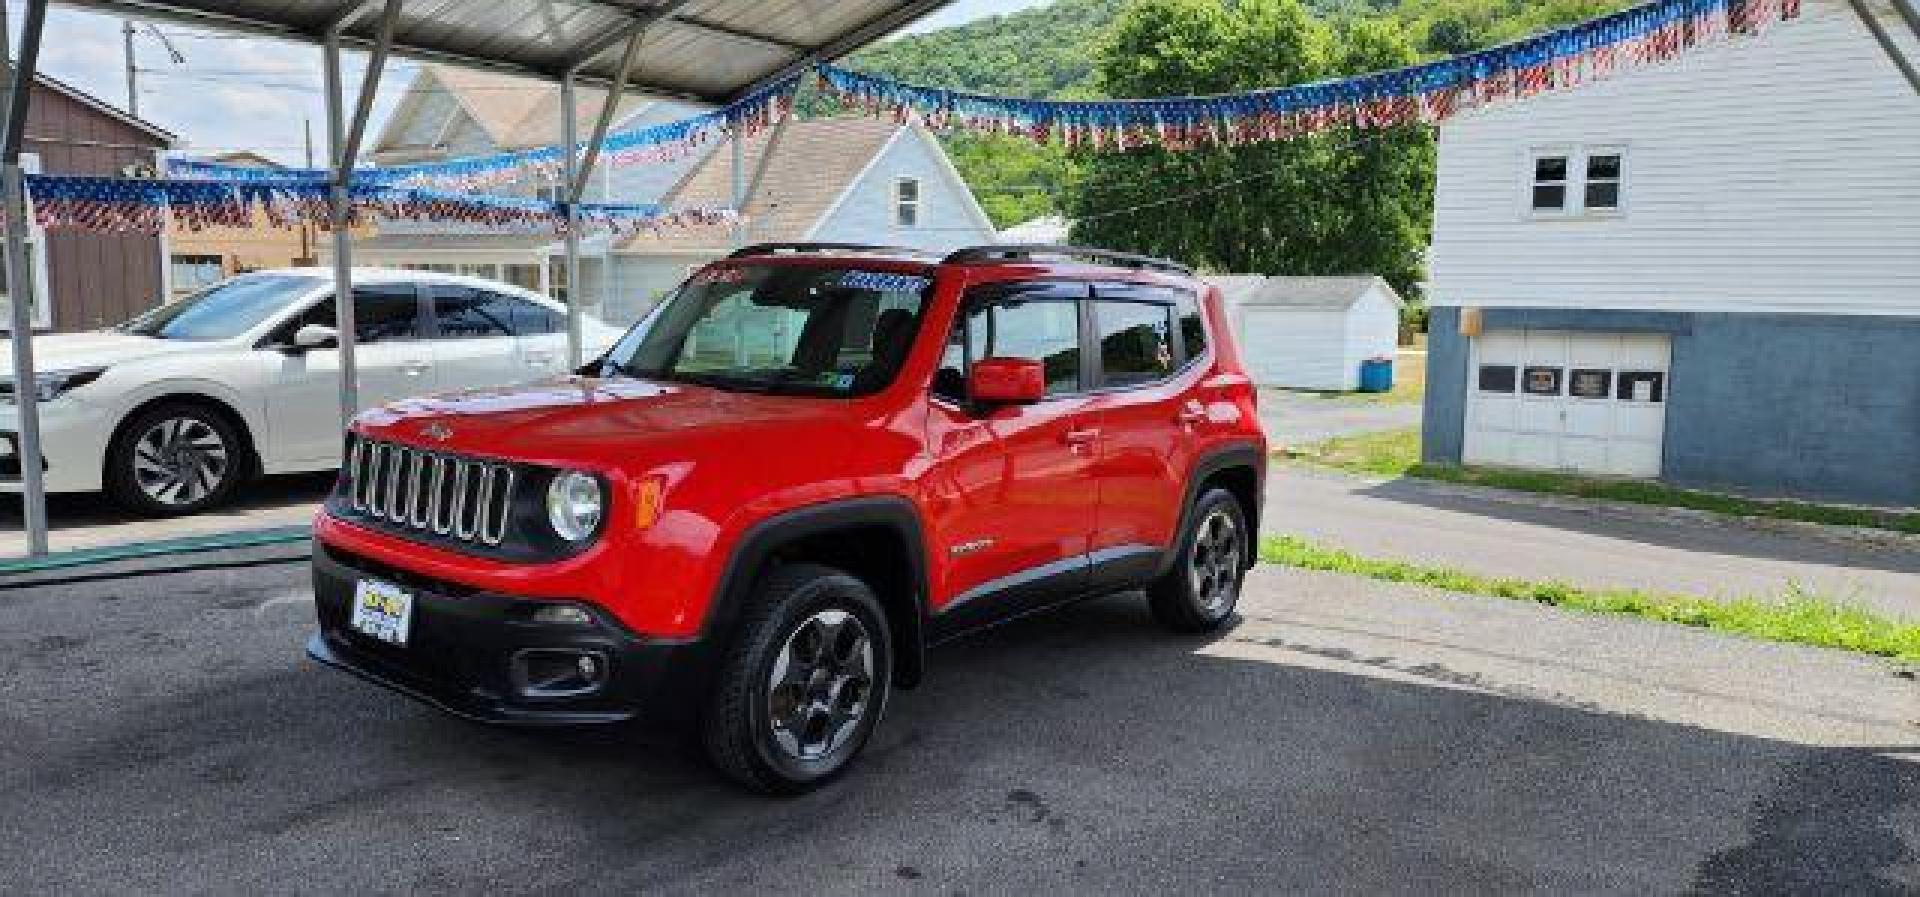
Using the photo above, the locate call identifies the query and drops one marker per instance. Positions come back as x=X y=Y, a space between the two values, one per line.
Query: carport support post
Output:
x=569 y=170
x=343 y=146
x=20 y=286
x=339 y=175
x=739 y=187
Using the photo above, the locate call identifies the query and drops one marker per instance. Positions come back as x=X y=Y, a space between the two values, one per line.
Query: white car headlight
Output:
x=574 y=505
x=50 y=385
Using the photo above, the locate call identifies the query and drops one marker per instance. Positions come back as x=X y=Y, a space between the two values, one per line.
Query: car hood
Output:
x=605 y=422
x=100 y=348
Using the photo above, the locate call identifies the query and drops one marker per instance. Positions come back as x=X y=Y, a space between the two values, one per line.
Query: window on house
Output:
x=1550 y=183
x=192 y=273
x=906 y=202
x=1603 y=182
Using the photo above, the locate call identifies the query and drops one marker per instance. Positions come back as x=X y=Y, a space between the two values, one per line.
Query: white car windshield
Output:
x=224 y=310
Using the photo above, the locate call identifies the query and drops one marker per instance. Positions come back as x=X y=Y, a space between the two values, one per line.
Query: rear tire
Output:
x=803 y=683
x=173 y=459
x=1202 y=589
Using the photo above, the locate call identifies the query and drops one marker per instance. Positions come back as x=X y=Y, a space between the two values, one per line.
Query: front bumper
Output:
x=73 y=445
x=465 y=649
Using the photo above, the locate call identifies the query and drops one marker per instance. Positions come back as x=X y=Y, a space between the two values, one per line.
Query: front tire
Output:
x=803 y=684
x=174 y=459
x=1201 y=591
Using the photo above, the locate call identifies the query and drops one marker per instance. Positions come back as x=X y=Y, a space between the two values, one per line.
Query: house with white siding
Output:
x=856 y=180
x=837 y=180
x=1706 y=272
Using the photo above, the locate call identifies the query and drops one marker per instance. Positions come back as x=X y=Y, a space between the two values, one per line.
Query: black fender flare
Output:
x=764 y=538
x=1226 y=457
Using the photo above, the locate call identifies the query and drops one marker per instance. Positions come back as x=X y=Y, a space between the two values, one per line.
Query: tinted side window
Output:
x=1136 y=342
x=531 y=319
x=470 y=313
x=1193 y=324
x=1045 y=330
x=386 y=312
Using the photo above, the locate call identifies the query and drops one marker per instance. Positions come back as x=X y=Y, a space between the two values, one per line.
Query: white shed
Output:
x=1311 y=332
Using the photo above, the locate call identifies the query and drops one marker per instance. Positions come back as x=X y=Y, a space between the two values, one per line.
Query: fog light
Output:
x=562 y=615
x=558 y=672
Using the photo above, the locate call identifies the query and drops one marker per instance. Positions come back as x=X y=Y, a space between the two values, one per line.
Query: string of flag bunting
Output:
x=1645 y=35
x=200 y=194
x=120 y=205
x=652 y=144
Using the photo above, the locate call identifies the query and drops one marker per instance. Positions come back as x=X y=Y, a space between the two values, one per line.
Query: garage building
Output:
x=1705 y=273
x=1311 y=332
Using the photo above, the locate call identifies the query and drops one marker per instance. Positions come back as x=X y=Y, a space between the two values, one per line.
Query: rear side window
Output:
x=1136 y=342
x=1193 y=324
x=534 y=319
x=472 y=313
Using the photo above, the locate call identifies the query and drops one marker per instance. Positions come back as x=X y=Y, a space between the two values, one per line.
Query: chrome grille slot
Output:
x=468 y=499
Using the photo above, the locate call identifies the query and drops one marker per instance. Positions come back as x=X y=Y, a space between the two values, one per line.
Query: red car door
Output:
x=1148 y=414
x=1011 y=501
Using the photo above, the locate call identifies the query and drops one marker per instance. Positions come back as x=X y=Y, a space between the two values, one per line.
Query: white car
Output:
x=170 y=411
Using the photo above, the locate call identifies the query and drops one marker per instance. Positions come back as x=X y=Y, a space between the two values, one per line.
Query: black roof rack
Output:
x=825 y=248
x=1008 y=251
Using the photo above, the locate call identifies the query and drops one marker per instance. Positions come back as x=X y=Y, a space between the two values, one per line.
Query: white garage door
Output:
x=1560 y=400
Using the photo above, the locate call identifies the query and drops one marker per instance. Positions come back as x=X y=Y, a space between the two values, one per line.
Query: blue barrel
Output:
x=1376 y=375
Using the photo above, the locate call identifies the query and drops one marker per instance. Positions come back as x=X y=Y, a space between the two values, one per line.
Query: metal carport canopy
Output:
x=706 y=50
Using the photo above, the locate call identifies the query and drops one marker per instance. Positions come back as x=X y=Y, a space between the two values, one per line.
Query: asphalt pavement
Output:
x=165 y=733
x=1502 y=533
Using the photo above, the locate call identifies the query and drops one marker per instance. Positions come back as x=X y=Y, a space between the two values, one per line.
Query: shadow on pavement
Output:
x=1734 y=537
x=1079 y=751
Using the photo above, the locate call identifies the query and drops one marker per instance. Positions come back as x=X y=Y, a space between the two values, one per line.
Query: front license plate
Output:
x=382 y=610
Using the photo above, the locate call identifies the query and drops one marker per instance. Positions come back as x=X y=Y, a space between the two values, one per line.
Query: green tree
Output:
x=1333 y=204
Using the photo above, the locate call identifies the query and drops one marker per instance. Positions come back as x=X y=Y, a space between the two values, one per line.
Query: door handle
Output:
x=1080 y=438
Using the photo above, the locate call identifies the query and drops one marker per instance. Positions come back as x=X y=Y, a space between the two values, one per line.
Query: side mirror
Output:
x=1006 y=381
x=315 y=336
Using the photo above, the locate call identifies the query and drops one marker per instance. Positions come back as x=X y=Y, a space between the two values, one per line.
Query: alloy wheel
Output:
x=1214 y=564
x=180 y=460
x=821 y=685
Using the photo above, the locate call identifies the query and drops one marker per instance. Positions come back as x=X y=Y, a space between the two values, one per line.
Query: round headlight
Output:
x=574 y=505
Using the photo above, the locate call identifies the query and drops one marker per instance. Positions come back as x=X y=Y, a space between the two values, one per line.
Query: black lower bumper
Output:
x=466 y=653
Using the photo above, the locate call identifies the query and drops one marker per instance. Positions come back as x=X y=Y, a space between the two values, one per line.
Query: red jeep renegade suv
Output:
x=755 y=513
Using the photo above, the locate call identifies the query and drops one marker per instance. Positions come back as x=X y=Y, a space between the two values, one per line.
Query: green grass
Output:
x=1797 y=617
x=1396 y=453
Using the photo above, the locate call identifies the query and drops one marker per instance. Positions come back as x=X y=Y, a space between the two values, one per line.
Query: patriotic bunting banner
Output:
x=641 y=146
x=1644 y=35
x=205 y=194
x=115 y=205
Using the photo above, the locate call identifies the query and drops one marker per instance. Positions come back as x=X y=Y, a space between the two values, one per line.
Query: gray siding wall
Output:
x=1814 y=406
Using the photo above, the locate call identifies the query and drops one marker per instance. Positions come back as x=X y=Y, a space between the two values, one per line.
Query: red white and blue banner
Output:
x=653 y=144
x=1644 y=35
x=206 y=194
x=120 y=205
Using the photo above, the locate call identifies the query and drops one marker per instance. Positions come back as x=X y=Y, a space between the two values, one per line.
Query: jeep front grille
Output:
x=461 y=498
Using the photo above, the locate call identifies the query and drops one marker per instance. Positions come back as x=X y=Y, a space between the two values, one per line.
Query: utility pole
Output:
x=306 y=226
x=133 y=88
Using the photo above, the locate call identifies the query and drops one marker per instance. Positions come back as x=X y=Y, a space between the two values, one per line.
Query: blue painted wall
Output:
x=1814 y=406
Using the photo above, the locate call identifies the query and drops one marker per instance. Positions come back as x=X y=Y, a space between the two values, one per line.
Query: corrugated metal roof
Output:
x=710 y=50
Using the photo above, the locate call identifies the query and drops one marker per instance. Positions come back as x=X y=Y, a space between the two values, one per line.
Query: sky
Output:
x=254 y=94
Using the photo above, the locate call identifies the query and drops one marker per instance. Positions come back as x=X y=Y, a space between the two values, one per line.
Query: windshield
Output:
x=778 y=328
x=223 y=310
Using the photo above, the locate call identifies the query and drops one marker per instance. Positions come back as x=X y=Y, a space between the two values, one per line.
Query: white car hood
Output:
x=100 y=348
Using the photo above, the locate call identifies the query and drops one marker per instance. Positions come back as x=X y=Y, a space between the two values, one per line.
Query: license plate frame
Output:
x=382 y=611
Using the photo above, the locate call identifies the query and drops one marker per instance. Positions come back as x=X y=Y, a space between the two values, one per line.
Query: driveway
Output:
x=1298 y=418
x=1504 y=533
x=165 y=733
